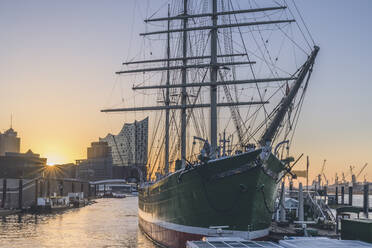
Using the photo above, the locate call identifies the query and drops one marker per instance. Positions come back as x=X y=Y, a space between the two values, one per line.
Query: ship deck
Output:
x=301 y=242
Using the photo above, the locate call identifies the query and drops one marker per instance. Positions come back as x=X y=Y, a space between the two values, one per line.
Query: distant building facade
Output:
x=22 y=165
x=98 y=165
x=129 y=147
x=9 y=142
x=130 y=173
x=99 y=149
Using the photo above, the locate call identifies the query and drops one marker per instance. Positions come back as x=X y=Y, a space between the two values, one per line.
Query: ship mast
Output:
x=213 y=66
x=286 y=102
x=167 y=102
x=213 y=78
x=184 y=79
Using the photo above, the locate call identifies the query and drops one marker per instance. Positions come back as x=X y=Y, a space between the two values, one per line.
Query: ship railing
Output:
x=311 y=198
x=315 y=205
x=326 y=209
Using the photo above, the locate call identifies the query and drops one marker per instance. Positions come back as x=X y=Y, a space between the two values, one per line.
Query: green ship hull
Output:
x=237 y=192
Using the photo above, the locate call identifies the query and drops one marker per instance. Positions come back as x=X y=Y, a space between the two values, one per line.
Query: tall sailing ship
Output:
x=241 y=61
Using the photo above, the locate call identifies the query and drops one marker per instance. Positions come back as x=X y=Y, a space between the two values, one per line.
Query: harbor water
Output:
x=357 y=200
x=107 y=223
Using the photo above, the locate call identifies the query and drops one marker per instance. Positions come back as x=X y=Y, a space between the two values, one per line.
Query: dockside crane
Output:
x=321 y=174
x=325 y=179
x=343 y=178
x=353 y=179
x=361 y=170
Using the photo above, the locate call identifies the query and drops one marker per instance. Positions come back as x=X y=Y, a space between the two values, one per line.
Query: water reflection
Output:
x=108 y=223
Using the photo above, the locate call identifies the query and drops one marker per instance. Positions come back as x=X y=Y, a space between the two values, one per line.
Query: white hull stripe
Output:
x=202 y=230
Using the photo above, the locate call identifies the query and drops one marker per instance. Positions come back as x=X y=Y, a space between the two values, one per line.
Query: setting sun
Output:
x=54 y=159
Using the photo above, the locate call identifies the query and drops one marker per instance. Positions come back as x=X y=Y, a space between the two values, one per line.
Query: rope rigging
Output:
x=245 y=124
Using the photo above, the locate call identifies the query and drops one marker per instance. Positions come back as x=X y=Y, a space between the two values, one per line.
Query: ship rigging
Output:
x=222 y=65
x=219 y=55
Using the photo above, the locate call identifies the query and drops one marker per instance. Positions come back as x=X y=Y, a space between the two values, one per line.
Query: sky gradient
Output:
x=58 y=60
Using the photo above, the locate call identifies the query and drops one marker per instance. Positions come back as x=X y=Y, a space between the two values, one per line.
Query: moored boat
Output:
x=228 y=188
x=236 y=192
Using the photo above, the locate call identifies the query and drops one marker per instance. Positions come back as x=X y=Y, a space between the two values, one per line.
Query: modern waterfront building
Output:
x=98 y=165
x=9 y=142
x=129 y=146
x=99 y=149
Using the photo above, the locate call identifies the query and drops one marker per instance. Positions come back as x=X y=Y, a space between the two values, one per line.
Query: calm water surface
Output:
x=357 y=200
x=108 y=223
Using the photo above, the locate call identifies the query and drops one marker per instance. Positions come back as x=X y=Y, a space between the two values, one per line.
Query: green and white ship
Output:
x=224 y=187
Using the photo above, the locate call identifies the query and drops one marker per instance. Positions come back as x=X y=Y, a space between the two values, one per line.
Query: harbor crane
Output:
x=343 y=178
x=325 y=179
x=322 y=174
x=353 y=179
x=361 y=170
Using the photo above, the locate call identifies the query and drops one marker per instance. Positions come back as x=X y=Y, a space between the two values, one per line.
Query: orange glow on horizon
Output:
x=53 y=159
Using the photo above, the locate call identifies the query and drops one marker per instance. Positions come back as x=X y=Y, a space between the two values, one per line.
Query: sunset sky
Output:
x=58 y=58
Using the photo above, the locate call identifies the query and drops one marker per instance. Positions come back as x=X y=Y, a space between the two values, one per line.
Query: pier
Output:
x=323 y=213
x=23 y=194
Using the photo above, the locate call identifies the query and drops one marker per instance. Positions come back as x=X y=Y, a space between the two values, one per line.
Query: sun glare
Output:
x=53 y=159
